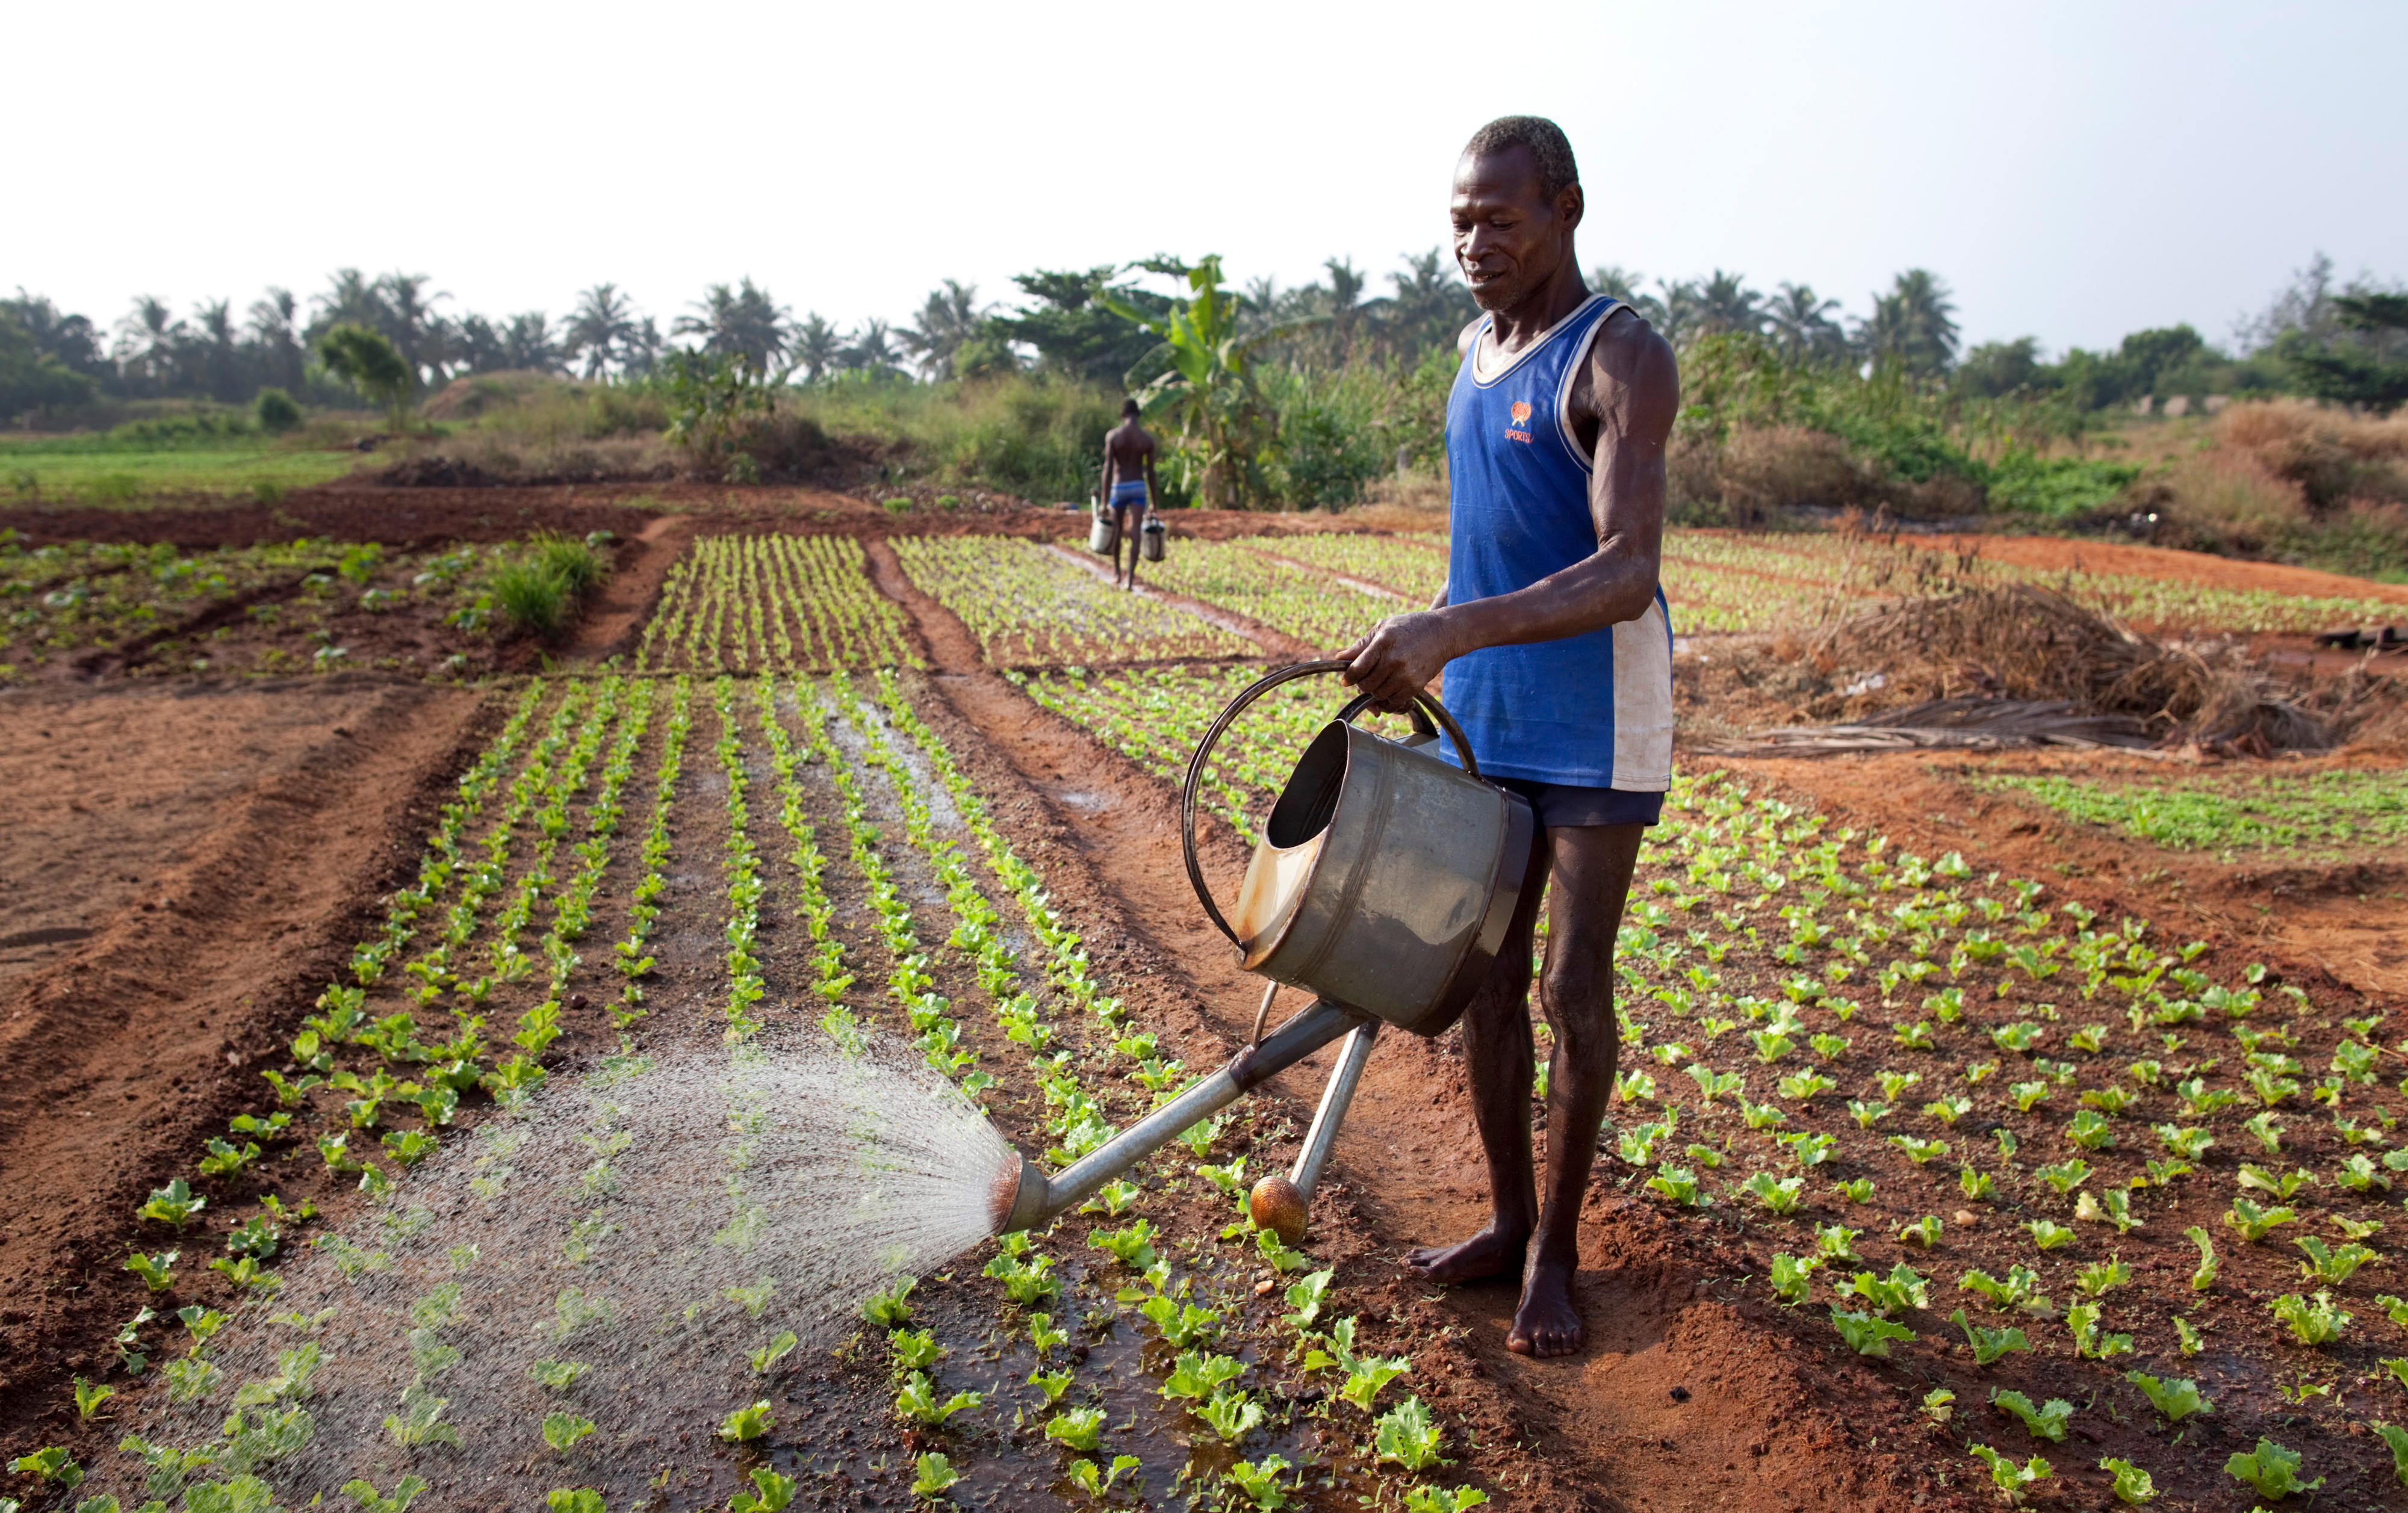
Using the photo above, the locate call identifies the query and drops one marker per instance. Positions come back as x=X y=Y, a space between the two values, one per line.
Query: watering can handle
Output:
x=1422 y=701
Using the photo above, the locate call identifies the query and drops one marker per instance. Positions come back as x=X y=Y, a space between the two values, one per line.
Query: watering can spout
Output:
x=1024 y=1196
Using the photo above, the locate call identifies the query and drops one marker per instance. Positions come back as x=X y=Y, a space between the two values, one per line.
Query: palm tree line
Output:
x=214 y=352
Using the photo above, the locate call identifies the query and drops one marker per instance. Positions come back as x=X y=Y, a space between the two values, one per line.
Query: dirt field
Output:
x=192 y=860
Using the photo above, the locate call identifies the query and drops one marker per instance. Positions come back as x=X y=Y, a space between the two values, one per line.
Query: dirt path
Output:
x=186 y=864
x=610 y=628
x=1608 y=1418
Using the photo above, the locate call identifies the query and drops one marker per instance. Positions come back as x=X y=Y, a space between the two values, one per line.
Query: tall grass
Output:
x=538 y=590
x=1032 y=434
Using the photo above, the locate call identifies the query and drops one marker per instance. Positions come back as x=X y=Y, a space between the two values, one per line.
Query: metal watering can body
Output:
x=1384 y=884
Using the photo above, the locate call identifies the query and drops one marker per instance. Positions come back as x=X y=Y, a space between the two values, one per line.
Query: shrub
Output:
x=277 y=411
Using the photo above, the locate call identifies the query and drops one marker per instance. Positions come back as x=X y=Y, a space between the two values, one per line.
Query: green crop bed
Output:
x=2327 y=810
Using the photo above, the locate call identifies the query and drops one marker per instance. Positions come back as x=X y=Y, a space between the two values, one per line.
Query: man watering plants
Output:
x=1128 y=486
x=1554 y=638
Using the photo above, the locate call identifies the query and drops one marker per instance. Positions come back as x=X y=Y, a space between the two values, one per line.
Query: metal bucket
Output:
x=1104 y=537
x=1385 y=878
x=1150 y=539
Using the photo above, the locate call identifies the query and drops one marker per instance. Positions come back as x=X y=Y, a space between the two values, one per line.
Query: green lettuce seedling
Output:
x=2175 y=1398
x=405 y=1493
x=2325 y=1265
x=1232 y=1416
x=1051 y=1383
x=1856 y=1189
x=2320 y=1322
x=1198 y=1375
x=2397 y=1438
x=174 y=1203
x=1407 y=1436
x=2272 y=1469
x=1043 y=1335
x=419 y=1423
x=1923 y=1231
x=2088 y=1343
x=1080 y=1428
x=1304 y=1297
x=574 y=1500
x=1903 y=1289
x=1132 y=1247
x=1975 y=1185
x=918 y=1402
x=1989 y=1344
x=1936 y=1405
x=2013 y=1481
x=1779 y=1197
x=772 y=1491
x=562 y=1430
x=765 y=1359
x=2100 y=1278
x=2259 y=1179
x=153 y=1269
x=2132 y=1485
x=1793 y=1278
x=1180 y=1324
x=557 y=1375
x=888 y=1307
x=2049 y=1235
x=2065 y=1176
x=754 y=1419
x=1869 y=1333
x=2048 y=1421
x=914 y=1349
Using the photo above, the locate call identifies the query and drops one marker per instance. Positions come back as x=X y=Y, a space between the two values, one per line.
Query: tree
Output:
x=1912 y=325
x=871 y=351
x=1431 y=304
x=817 y=347
x=528 y=343
x=598 y=328
x=1802 y=326
x=949 y=318
x=147 y=341
x=272 y=335
x=1199 y=381
x=351 y=297
x=70 y=339
x=1074 y=331
x=1725 y=304
x=1996 y=369
x=2370 y=372
x=368 y=360
x=219 y=361
x=30 y=378
x=743 y=322
x=411 y=322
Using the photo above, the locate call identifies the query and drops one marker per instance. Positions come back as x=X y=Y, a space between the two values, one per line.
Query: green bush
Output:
x=576 y=564
x=277 y=411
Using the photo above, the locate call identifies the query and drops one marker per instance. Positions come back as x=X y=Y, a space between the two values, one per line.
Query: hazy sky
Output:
x=2074 y=171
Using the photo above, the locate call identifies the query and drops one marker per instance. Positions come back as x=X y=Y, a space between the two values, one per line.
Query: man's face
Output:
x=1509 y=238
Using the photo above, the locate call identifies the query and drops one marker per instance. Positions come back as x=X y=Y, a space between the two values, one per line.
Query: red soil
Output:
x=2058 y=553
x=182 y=867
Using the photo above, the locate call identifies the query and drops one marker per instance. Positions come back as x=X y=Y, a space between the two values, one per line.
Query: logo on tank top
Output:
x=1520 y=411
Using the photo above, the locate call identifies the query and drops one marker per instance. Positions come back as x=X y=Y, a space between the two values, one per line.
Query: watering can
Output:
x=1151 y=537
x=1383 y=884
x=1104 y=535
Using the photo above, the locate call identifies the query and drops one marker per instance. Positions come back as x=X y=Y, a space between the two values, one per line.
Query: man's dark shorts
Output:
x=1563 y=805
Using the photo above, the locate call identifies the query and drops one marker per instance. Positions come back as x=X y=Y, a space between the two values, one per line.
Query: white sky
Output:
x=2074 y=170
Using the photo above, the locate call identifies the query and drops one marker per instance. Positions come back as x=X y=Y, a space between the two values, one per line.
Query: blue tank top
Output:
x=1594 y=709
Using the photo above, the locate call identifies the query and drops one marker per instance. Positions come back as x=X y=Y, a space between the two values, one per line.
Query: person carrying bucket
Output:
x=1555 y=642
x=1129 y=487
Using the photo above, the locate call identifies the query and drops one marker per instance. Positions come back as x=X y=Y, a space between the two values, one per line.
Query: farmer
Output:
x=1554 y=640
x=1129 y=485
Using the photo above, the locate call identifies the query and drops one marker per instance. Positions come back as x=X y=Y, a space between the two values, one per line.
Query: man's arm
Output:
x=1629 y=390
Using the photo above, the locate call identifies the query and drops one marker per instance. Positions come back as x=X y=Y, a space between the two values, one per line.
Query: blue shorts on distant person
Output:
x=1562 y=806
x=1128 y=494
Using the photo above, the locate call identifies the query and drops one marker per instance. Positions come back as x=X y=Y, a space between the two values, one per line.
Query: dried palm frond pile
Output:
x=2021 y=664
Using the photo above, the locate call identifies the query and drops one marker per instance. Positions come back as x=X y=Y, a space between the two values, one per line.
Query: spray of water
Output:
x=649 y=1248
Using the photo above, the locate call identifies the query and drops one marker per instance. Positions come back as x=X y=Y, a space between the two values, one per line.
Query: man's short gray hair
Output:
x=1550 y=150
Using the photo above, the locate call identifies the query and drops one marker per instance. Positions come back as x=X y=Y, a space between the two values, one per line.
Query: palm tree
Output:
x=1431 y=303
x=411 y=322
x=1912 y=325
x=221 y=363
x=1613 y=280
x=872 y=350
x=351 y=298
x=948 y=318
x=147 y=340
x=1802 y=325
x=528 y=342
x=817 y=347
x=1726 y=305
x=272 y=333
x=598 y=327
x=743 y=324
x=642 y=347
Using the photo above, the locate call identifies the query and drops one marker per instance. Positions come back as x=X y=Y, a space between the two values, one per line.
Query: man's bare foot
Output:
x=1546 y=1323
x=1488 y=1253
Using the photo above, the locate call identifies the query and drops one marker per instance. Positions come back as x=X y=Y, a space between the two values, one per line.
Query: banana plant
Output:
x=1199 y=381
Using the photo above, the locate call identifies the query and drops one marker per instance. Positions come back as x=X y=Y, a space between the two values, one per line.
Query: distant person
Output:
x=1128 y=486
x=1556 y=645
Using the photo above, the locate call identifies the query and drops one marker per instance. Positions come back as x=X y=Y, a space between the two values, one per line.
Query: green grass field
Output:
x=103 y=477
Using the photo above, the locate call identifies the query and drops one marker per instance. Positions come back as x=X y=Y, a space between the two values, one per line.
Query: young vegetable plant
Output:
x=1080 y=1428
x=2320 y=1322
x=918 y=1402
x=2049 y=1421
x=2175 y=1398
x=2015 y=1481
x=2272 y=1469
x=1407 y=1435
x=752 y=1422
x=153 y=1270
x=1869 y=1333
x=771 y=1492
x=2132 y=1485
x=1988 y=1345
